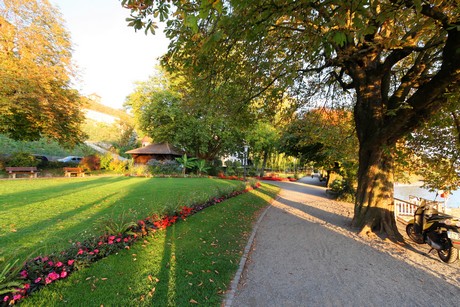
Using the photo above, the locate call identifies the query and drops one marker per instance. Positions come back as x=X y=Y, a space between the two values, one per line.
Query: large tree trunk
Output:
x=374 y=207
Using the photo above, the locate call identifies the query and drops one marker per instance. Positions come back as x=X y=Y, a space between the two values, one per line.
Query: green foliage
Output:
x=202 y=166
x=105 y=160
x=166 y=109
x=117 y=225
x=186 y=163
x=44 y=146
x=343 y=190
x=9 y=272
x=22 y=159
x=322 y=136
x=166 y=167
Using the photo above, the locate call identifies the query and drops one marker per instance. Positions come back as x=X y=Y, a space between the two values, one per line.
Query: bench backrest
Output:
x=21 y=169
x=73 y=169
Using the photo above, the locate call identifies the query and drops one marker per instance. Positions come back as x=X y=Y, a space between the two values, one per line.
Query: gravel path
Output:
x=305 y=254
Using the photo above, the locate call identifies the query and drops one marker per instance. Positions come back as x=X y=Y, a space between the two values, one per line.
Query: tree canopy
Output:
x=397 y=58
x=35 y=74
x=166 y=111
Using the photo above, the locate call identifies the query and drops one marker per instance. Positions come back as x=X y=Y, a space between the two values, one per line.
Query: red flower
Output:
x=96 y=251
x=80 y=252
x=26 y=287
x=70 y=262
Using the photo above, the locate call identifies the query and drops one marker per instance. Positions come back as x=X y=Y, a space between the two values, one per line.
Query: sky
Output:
x=110 y=56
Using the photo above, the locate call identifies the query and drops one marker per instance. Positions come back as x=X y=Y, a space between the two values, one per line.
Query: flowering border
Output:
x=44 y=270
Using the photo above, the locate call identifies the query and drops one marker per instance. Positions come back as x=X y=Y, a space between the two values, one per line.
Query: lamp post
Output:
x=245 y=161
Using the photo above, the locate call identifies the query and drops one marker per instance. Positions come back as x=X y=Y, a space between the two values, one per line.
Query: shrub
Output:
x=118 y=166
x=105 y=160
x=166 y=167
x=22 y=159
x=343 y=190
x=91 y=163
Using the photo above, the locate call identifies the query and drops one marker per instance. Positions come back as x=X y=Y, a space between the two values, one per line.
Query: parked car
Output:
x=71 y=159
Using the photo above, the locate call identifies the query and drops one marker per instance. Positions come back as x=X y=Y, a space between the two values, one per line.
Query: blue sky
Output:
x=110 y=55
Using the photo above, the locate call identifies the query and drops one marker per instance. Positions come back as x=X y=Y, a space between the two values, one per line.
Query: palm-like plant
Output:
x=202 y=167
x=186 y=163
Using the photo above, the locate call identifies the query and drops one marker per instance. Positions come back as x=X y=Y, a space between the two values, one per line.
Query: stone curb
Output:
x=228 y=301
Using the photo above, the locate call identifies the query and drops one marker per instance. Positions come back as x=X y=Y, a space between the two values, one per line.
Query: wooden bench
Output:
x=77 y=171
x=14 y=170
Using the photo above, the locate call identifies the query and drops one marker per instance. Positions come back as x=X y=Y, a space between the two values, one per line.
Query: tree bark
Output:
x=374 y=207
x=264 y=163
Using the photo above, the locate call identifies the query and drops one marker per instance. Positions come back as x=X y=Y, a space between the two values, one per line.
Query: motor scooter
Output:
x=438 y=230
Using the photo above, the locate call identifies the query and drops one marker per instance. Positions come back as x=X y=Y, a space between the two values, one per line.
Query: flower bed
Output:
x=276 y=178
x=44 y=270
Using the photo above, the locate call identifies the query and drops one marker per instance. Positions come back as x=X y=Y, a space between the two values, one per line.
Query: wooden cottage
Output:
x=157 y=151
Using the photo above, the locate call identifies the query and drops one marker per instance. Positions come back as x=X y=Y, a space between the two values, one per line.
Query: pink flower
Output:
x=118 y=240
x=80 y=252
x=17 y=297
x=70 y=262
x=6 y=298
x=126 y=240
x=110 y=242
x=48 y=280
x=96 y=251
x=26 y=287
x=50 y=263
x=53 y=276
x=44 y=259
x=112 y=238
x=23 y=273
x=37 y=280
x=59 y=264
x=63 y=274
x=100 y=243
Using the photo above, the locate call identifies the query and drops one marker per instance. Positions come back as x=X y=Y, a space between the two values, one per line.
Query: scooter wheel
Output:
x=413 y=235
x=449 y=255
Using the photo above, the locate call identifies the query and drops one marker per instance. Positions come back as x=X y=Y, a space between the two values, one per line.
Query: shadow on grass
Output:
x=17 y=199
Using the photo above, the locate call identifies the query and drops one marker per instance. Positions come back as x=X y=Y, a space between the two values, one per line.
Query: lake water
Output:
x=403 y=192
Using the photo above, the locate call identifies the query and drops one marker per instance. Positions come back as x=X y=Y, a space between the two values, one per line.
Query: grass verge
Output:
x=190 y=262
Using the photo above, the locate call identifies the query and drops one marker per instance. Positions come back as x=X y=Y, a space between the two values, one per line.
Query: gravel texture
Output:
x=304 y=253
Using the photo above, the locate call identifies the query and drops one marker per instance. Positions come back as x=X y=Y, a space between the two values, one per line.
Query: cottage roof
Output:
x=158 y=149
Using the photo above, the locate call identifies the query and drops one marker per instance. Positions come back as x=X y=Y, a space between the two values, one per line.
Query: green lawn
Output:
x=191 y=262
x=42 y=215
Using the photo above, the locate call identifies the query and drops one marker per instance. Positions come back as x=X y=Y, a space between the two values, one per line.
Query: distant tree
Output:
x=166 y=111
x=35 y=74
x=263 y=139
